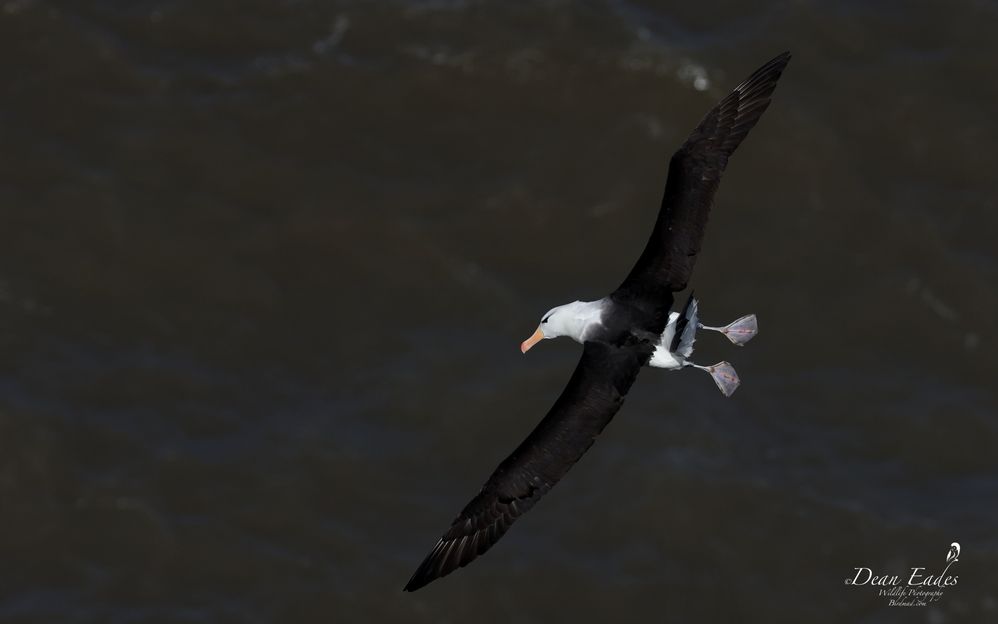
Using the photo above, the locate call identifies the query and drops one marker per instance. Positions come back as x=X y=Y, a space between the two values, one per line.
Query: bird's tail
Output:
x=686 y=328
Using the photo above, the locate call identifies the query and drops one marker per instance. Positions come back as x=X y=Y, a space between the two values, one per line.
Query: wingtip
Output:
x=773 y=68
x=768 y=73
x=412 y=585
x=427 y=571
x=420 y=578
x=781 y=60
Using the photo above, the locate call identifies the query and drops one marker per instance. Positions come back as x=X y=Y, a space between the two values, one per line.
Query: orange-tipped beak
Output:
x=534 y=339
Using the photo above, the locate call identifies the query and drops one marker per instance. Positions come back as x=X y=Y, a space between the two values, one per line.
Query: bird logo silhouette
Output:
x=954 y=552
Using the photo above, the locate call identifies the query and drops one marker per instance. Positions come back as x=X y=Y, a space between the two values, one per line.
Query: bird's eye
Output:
x=545 y=320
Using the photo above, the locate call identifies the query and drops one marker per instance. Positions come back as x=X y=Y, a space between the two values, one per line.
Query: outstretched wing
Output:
x=593 y=395
x=694 y=174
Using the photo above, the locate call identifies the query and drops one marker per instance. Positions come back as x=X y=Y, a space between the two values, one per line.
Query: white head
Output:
x=571 y=319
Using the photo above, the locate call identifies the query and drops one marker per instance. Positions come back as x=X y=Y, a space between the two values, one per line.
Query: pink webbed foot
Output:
x=739 y=331
x=724 y=376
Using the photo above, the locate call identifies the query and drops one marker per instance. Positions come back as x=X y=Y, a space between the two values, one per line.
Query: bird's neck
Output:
x=587 y=316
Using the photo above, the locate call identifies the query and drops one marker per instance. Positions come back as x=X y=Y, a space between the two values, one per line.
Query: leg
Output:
x=724 y=376
x=739 y=331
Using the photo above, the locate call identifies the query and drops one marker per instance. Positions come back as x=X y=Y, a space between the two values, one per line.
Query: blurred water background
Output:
x=265 y=266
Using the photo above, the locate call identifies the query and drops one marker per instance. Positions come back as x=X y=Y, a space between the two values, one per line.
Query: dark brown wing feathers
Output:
x=694 y=174
x=592 y=397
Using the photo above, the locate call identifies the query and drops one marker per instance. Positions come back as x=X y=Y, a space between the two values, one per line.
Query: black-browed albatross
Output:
x=621 y=333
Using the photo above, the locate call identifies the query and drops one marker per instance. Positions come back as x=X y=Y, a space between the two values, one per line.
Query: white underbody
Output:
x=582 y=319
x=663 y=356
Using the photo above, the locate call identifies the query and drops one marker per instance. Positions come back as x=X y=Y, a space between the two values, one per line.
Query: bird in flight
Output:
x=631 y=328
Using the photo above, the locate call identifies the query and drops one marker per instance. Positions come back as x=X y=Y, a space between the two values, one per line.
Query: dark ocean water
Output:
x=265 y=266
